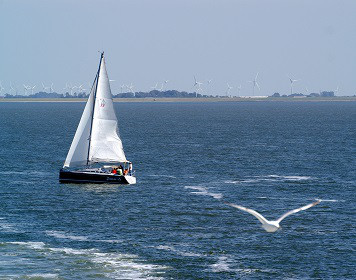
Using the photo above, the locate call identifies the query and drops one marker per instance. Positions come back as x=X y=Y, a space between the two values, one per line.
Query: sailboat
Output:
x=96 y=154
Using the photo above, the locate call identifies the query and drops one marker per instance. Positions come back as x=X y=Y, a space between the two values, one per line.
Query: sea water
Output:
x=189 y=157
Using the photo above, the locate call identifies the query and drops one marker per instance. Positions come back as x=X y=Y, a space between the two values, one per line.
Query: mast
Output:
x=92 y=115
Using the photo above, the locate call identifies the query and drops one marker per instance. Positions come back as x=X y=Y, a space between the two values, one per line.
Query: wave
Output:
x=109 y=240
x=270 y=178
x=29 y=244
x=68 y=236
x=112 y=265
x=223 y=265
x=204 y=191
x=291 y=178
x=165 y=176
x=37 y=276
x=7 y=227
x=64 y=235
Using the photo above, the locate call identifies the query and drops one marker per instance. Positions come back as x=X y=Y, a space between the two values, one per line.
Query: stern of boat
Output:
x=130 y=179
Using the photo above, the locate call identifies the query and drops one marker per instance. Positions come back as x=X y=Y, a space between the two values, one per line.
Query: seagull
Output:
x=272 y=226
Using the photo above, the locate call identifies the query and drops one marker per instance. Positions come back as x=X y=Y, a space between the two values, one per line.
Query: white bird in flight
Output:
x=272 y=226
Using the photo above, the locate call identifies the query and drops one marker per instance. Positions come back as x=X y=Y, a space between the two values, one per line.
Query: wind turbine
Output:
x=45 y=88
x=306 y=90
x=336 y=90
x=13 y=89
x=155 y=87
x=66 y=88
x=69 y=88
x=163 y=84
x=291 y=84
x=32 y=88
x=26 y=88
x=81 y=89
x=1 y=87
x=239 y=90
x=130 y=88
x=198 y=84
x=254 y=84
x=229 y=88
x=51 y=89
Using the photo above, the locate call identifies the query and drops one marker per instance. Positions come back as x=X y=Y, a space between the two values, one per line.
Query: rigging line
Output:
x=92 y=115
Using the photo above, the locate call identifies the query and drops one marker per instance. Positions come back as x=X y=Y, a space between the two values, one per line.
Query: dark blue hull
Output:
x=83 y=177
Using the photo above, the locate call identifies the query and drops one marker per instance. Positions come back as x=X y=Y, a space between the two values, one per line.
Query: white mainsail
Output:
x=97 y=138
x=106 y=145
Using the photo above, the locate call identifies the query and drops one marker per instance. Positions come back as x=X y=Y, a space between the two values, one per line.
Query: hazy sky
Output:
x=149 y=41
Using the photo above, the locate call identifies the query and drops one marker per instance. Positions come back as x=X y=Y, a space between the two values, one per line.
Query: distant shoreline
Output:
x=205 y=99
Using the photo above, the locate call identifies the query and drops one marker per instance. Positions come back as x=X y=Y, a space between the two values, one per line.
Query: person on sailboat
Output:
x=121 y=170
x=130 y=168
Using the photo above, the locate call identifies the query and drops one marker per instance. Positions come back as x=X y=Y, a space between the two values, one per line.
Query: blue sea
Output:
x=188 y=157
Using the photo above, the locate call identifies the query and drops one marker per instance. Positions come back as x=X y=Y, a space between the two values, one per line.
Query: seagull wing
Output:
x=253 y=212
x=297 y=210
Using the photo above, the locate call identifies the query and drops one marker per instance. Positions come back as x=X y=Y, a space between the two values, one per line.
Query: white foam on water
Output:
x=30 y=244
x=9 y=172
x=36 y=276
x=120 y=266
x=7 y=227
x=222 y=265
x=269 y=178
x=204 y=191
x=64 y=235
x=178 y=252
x=127 y=267
x=41 y=275
x=232 y=182
x=71 y=251
x=246 y=270
x=290 y=178
x=198 y=188
x=332 y=200
x=165 y=176
x=109 y=240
